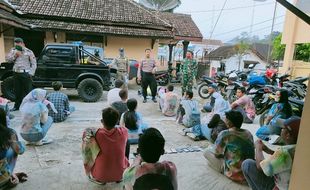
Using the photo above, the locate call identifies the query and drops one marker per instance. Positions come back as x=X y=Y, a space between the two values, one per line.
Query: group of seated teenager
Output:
x=105 y=161
x=232 y=150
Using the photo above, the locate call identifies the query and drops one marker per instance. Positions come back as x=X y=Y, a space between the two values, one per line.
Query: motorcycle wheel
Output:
x=203 y=91
x=263 y=117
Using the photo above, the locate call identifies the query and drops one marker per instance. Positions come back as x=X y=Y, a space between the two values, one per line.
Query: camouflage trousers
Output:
x=187 y=83
x=123 y=76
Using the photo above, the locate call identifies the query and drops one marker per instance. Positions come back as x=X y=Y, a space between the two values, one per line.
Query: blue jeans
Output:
x=208 y=107
x=256 y=179
x=36 y=137
x=202 y=131
x=266 y=130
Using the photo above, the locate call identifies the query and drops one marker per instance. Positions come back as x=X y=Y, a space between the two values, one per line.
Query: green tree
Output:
x=302 y=52
x=278 y=48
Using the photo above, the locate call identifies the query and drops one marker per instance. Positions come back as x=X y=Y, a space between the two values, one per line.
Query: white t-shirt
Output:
x=113 y=96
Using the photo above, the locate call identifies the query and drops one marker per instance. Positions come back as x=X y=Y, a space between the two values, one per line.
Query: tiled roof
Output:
x=97 y=28
x=185 y=27
x=261 y=50
x=8 y=16
x=115 y=11
x=222 y=52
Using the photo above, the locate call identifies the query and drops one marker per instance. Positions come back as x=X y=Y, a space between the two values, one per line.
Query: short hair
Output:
x=190 y=94
x=123 y=94
x=242 y=89
x=170 y=88
x=235 y=117
x=110 y=117
x=191 y=52
x=147 y=49
x=151 y=145
x=119 y=83
x=57 y=85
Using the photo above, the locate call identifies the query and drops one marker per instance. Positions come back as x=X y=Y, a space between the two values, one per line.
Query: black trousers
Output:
x=22 y=86
x=148 y=79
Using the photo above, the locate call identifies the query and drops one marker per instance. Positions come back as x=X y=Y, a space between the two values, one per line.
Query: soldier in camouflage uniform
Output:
x=122 y=66
x=189 y=71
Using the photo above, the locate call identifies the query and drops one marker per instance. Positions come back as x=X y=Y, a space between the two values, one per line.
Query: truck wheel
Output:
x=90 y=90
x=113 y=78
x=7 y=88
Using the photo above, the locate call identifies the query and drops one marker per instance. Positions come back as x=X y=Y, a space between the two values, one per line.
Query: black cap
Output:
x=18 y=40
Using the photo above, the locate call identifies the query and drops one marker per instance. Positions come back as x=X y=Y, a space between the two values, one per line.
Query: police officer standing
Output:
x=146 y=72
x=121 y=64
x=25 y=65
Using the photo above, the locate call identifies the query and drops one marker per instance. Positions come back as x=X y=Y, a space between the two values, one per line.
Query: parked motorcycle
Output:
x=162 y=78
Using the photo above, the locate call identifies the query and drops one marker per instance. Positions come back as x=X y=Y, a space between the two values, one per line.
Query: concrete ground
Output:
x=58 y=166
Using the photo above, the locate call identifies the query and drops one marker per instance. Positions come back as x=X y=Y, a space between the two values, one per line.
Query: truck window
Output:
x=64 y=55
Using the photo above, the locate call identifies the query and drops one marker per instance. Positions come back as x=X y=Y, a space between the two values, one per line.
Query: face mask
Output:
x=19 y=48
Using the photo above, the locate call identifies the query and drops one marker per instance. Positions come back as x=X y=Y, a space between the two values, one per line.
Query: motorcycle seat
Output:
x=300 y=80
x=296 y=101
x=161 y=72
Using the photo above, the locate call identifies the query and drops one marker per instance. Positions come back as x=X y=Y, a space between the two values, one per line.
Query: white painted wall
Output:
x=232 y=63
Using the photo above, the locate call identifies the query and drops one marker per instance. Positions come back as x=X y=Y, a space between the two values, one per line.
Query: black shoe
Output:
x=154 y=100
x=14 y=109
x=144 y=101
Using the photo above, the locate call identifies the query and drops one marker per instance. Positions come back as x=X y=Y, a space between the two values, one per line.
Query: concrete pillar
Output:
x=301 y=165
x=170 y=56
x=2 y=48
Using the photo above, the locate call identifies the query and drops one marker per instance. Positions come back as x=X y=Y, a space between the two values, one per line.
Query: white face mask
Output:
x=277 y=98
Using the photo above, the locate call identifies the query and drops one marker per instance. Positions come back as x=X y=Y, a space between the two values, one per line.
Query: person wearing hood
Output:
x=35 y=119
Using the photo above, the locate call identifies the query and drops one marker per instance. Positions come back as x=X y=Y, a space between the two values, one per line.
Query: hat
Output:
x=18 y=40
x=291 y=124
x=214 y=86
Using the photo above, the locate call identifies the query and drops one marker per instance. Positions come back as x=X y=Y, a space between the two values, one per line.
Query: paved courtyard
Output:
x=58 y=166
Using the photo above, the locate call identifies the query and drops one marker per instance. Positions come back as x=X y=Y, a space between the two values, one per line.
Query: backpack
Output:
x=194 y=117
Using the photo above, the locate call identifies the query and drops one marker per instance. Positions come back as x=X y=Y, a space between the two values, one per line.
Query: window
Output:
x=59 y=56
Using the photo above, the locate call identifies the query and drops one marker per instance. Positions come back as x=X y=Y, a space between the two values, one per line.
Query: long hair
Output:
x=130 y=117
x=287 y=109
x=5 y=133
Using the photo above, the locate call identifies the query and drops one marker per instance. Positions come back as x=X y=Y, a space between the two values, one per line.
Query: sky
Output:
x=240 y=16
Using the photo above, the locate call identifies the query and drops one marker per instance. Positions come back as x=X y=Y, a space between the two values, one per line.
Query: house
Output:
x=8 y=19
x=296 y=31
x=103 y=23
x=228 y=59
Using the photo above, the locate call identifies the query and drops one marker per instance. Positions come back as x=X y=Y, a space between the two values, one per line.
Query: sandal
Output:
x=22 y=177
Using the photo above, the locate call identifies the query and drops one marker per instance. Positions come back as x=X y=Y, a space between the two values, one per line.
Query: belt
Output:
x=21 y=71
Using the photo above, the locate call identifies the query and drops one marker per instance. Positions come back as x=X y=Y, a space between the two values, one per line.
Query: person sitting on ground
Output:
x=121 y=106
x=231 y=148
x=273 y=172
x=61 y=103
x=190 y=115
x=168 y=102
x=35 y=119
x=110 y=161
x=150 y=148
x=10 y=147
x=113 y=94
x=4 y=104
x=133 y=121
x=204 y=130
x=212 y=89
x=281 y=109
x=245 y=105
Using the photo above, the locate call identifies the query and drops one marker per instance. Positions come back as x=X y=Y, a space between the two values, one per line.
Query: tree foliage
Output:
x=278 y=48
x=302 y=52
